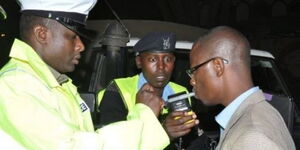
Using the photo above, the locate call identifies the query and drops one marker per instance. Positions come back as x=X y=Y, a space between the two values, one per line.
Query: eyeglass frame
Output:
x=193 y=69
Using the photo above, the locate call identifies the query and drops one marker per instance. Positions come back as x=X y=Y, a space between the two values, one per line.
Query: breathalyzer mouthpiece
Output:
x=184 y=96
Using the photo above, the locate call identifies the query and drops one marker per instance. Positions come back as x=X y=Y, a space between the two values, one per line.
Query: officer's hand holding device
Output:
x=180 y=119
x=180 y=102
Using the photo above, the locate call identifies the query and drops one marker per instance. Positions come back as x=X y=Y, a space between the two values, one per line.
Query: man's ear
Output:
x=218 y=66
x=41 y=33
x=138 y=61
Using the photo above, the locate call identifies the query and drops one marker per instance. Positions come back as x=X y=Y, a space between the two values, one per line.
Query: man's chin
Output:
x=68 y=69
x=159 y=85
x=208 y=103
x=205 y=102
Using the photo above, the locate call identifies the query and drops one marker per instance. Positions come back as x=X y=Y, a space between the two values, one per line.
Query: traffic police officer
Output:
x=40 y=108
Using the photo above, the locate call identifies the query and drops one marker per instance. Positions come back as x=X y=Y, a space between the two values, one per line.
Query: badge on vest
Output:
x=83 y=107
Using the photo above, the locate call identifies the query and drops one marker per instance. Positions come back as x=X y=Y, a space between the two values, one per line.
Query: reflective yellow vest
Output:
x=128 y=89
x=9 y=143
x=39 y=113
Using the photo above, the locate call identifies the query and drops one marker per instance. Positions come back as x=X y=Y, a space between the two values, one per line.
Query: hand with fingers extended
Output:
x=147 y=96
x=179 y=123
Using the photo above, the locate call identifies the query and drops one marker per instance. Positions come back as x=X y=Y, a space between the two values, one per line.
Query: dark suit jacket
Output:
x=256 y=125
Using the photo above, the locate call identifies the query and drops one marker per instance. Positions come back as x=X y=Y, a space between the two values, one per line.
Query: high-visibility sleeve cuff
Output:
x=154 y=136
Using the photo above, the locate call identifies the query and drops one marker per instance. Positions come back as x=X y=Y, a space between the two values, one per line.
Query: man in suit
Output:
x=220 y=74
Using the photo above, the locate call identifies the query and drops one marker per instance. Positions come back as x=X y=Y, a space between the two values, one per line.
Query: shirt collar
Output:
x=167 y=89
x=224 y=116
x=61 y=78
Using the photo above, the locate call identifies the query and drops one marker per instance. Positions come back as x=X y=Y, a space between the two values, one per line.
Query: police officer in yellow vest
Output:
x=154 y=56
x=40 y=108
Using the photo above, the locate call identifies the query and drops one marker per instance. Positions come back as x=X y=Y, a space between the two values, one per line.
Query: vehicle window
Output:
x=266 y=76
x=131 y=68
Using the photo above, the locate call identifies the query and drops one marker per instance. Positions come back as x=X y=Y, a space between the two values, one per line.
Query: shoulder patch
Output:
x=83 y=107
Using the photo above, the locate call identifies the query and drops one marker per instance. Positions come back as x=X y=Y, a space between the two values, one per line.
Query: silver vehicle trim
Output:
x=188 y=45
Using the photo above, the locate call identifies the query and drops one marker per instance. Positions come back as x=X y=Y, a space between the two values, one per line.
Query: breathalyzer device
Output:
x=179 y=102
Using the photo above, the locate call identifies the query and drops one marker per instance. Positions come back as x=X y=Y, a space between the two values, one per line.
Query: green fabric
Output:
x=39 y=113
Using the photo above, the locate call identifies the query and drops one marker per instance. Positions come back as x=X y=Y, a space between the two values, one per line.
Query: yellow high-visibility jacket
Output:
x=8 y=142
x=41 y=114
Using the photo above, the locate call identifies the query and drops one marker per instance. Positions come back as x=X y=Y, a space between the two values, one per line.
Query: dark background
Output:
x=272 y=25
x=264 y=22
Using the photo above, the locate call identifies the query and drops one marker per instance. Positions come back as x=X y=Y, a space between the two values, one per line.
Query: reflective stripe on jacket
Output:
x=39 y=113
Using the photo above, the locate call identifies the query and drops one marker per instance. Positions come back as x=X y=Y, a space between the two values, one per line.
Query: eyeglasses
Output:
x=193 y=69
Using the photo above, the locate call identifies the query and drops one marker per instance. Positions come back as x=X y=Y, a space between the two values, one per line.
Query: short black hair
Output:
x=240 y=49
x=27 y=22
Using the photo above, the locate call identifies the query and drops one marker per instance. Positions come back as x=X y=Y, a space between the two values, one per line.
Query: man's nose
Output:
x=160 y=64
x=79 y=45
x=192 y=82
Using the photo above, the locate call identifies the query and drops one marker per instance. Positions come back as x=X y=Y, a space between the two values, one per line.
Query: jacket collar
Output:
x=24 y=52
x=254 y=98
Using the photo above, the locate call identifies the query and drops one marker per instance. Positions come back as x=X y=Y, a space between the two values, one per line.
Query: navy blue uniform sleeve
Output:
x=112 y=107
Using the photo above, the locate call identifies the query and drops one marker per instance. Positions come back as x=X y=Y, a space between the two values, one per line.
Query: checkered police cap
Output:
x=70 y=13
